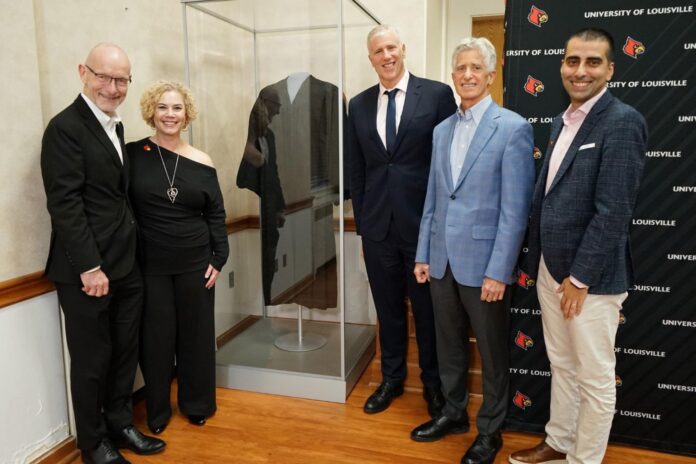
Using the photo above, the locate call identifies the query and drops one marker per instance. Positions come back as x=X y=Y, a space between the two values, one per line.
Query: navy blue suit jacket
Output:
x=581 y=225
x=384 y=185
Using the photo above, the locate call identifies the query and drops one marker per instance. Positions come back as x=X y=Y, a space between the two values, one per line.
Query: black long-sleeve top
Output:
x=185 y=235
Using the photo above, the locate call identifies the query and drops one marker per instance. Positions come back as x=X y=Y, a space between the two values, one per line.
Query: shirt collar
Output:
x=477 y=110
x=106 y=121
x=401 y=85
x=570 y=116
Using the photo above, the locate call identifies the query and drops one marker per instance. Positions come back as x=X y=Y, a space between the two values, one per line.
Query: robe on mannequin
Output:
x=292 y=159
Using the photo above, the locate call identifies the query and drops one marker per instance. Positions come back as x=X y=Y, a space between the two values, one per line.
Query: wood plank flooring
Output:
x=258 y=428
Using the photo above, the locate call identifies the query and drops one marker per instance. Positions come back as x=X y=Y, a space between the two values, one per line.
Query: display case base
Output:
x=251 y=361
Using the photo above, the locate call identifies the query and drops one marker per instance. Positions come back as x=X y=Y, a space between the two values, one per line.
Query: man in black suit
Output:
x=390 y=130
x=92 y=257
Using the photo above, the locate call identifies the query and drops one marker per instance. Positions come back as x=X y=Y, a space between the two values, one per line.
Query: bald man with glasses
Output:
x=92 y=257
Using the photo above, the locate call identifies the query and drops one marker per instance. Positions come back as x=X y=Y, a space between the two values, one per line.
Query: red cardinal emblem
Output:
x=523 y=340
x=633 y=48
x=533 y=86
x=537 y=16
x=524 y=281
x=521 y=400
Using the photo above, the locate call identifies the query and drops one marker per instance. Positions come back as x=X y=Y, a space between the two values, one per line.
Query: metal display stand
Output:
x=299 y=341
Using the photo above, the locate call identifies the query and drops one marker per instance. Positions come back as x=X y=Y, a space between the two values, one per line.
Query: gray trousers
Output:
x=456 y=308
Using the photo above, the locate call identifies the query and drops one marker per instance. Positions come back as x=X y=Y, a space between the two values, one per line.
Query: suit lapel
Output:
x=587 y=126
x=483 y=134
x=126 y=160
x=556 y=126
x=371 y=100
x=413 y=94
x=93 y=125
x=446 y=143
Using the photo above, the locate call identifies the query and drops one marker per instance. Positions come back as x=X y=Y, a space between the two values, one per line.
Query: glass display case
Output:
x=293 y=310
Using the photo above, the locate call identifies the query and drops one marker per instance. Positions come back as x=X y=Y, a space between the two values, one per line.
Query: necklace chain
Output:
x=172 y=191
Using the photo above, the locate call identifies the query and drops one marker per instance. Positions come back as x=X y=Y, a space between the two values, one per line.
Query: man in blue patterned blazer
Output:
x=579 y=249
x=474 y=220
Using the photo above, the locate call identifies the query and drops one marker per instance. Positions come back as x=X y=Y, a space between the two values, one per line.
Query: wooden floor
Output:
x=258 y=428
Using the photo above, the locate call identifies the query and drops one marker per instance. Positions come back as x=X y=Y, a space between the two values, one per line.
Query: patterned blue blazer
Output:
x=581 y=225
x=477 y=225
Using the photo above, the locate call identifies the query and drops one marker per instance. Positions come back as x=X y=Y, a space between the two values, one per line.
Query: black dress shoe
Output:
x=484 y=449
x=132 y=439
x=104 y=453
x=196 y=420
x=439 y=427
x=382 y=397
x=435 y=399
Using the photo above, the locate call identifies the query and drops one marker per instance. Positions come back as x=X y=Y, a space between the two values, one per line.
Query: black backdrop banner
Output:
x=656 y=342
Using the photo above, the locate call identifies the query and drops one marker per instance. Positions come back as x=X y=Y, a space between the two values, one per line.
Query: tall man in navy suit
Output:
x=391 y=127
x=579 y=249
x=92 y=257
x=474 y=220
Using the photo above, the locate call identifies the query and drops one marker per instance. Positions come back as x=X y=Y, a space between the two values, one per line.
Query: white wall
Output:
x=32 y=393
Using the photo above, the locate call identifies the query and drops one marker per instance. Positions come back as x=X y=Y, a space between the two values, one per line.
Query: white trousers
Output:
x=583 y=382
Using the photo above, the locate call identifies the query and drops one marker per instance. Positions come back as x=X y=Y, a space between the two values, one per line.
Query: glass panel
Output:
x=266 y=75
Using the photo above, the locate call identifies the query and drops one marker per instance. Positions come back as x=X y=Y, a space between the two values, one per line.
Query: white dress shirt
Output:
x=382 y=101
x=108 y=123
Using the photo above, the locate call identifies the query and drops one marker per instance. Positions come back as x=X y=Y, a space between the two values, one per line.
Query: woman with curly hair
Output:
x=183 y=242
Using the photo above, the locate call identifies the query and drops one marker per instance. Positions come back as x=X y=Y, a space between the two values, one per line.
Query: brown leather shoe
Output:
x=540 y=454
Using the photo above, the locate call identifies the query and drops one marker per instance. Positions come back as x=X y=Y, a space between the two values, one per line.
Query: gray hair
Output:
x=481 y=45
x=383 y=29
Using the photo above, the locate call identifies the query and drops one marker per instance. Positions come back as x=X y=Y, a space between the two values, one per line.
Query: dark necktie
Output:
x=119 y=132
x=391 y=120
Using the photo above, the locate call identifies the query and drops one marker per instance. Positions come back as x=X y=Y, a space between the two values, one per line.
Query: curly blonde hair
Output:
x=152 y=94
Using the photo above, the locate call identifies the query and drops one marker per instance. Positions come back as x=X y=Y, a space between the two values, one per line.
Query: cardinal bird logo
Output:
x=633 y=47
x=537 y=16
x=533 y=86
x=521 y=400
x=618 y=381
x=537 y=153
x=524 y=281
x=523 y=340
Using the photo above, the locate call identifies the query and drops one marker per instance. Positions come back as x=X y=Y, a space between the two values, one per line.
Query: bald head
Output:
x=107 y=52
x=106 y=74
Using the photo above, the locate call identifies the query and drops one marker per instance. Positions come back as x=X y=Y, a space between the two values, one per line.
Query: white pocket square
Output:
x=586 y=146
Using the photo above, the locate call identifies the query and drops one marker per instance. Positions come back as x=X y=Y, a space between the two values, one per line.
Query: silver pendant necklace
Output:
x=172 y=191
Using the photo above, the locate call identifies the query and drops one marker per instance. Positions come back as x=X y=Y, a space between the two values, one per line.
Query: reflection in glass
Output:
x=292 y=147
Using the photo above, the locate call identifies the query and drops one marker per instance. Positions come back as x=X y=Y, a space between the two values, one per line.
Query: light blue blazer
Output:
x=478 y=224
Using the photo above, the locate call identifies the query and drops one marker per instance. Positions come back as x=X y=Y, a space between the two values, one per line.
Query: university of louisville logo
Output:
x=523 y=340
x=537 y=16
x=533 y=86
x=633 y=47
x=521 y=400
x=537 y=153
x=524 y=281
x=622 y=317
x=618 y=381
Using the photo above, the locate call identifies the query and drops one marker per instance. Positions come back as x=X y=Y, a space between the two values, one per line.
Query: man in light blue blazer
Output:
x=475 y=215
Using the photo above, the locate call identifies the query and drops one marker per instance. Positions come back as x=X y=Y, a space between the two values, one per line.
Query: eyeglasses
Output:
x=105 y=79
